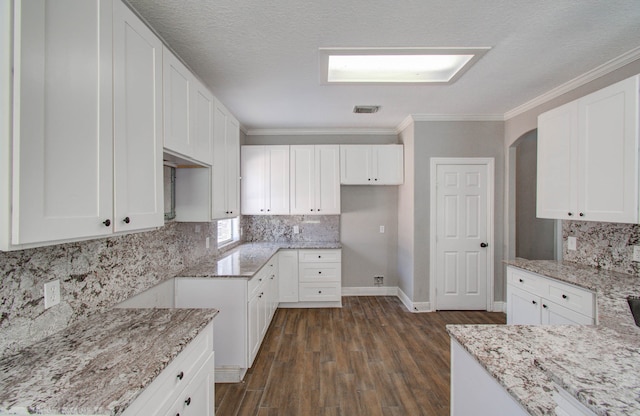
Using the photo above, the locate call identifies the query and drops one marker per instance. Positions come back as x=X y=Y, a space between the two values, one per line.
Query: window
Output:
x=228 y=231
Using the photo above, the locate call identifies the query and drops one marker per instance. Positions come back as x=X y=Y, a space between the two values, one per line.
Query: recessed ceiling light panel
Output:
x=396 y=66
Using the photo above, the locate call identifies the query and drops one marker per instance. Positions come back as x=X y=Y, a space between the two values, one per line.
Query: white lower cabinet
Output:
x=311 y=278
x=474 y=391
x=536 y=300
x=246 y=309
x=185 y=386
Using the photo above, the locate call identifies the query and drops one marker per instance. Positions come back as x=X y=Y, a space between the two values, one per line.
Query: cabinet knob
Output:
x=369 y=179
x=188 y=401
x=318 y=210
x=582 y=214
x=107 y=222
x=534 y=302
x=564 y=296
x=570 y=214
x=180 y=375
x=319 y=257
x=375 y=179
x=544 y=306
x=311 y=209
x=268 y=210
x=320 y=272
x=320 y=291
x=261 y=210
x=521 y=281
x=126 y=220
x=483 y=245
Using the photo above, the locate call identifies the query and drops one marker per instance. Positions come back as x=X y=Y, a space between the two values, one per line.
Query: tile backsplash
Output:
x=280 y=228
x=94 y=275
x=605 y=245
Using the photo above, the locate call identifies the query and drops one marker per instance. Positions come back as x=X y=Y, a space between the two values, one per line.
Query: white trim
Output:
x=229 y=374
x=490 y=164
x=370 y=291
x=413 y=306
x=405 y=123
x=311 y=132
x=499 y=306
x=309 y=305
x=597 y=72
x=457 y=117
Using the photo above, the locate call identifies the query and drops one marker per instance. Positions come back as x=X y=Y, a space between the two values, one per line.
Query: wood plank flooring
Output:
x=371 y=357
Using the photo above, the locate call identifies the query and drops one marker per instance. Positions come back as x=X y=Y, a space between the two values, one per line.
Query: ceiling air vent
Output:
x=366 y=109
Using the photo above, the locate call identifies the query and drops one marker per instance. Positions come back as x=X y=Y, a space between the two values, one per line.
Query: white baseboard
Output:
x=500 y=306
x=305 y=305
x=413 y=306
x=229 y=374
x=370 y=291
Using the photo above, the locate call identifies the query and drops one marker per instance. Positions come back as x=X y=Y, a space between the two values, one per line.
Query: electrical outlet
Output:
x=198 y=228
x=636 y=253
x=296 y=229
x=382 y=229
x=378 y=280
x=51 y=293
x=571 y=243
x=207 y=242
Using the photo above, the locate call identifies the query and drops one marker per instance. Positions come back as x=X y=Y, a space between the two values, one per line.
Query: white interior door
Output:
x=463 y=196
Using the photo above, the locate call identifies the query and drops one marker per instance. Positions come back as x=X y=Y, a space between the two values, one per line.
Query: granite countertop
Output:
x=245 y=260
x=97 y=366
x=599 y=365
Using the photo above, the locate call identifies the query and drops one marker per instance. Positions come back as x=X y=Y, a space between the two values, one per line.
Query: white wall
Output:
x=366 y=252
x=406 y=217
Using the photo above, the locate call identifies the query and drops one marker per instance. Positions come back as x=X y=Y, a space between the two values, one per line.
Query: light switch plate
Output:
x=296 y=229
x=382 y=229
x=636 y=253
x=571 y=243
x=51 y=293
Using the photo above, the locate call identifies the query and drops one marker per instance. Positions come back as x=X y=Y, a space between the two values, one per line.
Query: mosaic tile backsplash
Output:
x=279 y=228
x=94 y=275
x=604 y=245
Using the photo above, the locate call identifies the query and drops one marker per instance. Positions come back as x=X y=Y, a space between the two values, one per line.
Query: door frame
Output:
x=489 y=162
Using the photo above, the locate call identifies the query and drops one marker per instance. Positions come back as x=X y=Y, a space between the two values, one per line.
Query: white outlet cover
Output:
x=51 y=293
x=571 y=243
x=636 y=253
x=382 y=229
x=296 y=229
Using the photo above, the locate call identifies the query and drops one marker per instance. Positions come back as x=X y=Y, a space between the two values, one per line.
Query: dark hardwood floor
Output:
x=372 y=357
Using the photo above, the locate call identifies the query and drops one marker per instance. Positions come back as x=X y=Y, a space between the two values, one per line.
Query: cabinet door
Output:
x=554 y=314
x=523 y=308
x=177 y=104
x=388 y=162
x=202 y=119
x=137 y=87
x=288 y=275
x=557 y=163
x=302 y=160
x=257 y=311
x=62 y=145
x=253 y=165
x=355 y=165
x=277 y=187
x=327 y=180
x=233 y=167
x=273 y=289
x=608 y=154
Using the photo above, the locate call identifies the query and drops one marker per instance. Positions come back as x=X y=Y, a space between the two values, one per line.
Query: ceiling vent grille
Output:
x=366 y=109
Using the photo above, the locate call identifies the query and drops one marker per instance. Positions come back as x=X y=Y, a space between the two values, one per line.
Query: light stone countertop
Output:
x=599 y=365
x=245 y=260
x=97 y=366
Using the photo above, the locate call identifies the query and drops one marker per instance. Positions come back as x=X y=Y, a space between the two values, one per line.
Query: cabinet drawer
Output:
x=161 y=393
x=530 y=282
x=320 y=272
x=318 y=292
x=197 y=397
x=319 y=256
x=258 y=280
x=572 y=297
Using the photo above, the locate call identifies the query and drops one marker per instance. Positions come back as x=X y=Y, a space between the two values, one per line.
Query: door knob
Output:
x=484 y=245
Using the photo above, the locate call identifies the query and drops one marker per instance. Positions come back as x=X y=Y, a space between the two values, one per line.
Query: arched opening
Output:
x=535 y=238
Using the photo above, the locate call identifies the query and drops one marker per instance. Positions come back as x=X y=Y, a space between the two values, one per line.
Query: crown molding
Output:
x=604 y=69
x=457 y=117
x=310 y=132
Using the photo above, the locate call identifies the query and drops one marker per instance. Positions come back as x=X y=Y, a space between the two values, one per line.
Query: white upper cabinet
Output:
x=137 y=87
x=588 y=157
x=188 y=111
x=226 y=160
x=371 y=164
x=62 y=112
x=315 y=179
x=265 y=180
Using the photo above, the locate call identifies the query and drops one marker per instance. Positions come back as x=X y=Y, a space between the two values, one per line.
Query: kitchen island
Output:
x=597 y=365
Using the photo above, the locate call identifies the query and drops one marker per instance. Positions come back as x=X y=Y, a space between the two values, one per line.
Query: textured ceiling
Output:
x=260 y=58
